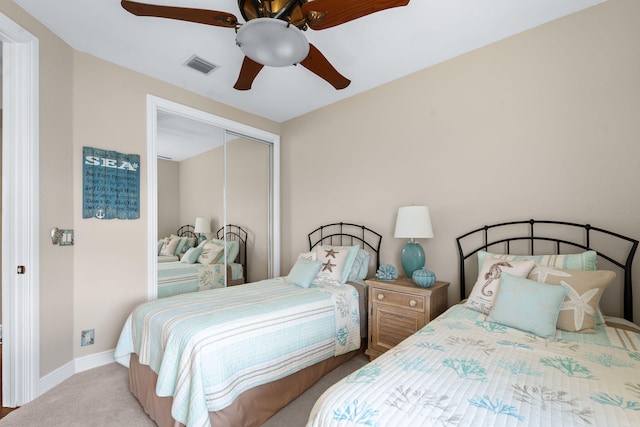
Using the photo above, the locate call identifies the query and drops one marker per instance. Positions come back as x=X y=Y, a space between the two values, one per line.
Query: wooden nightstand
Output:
x=398 y=308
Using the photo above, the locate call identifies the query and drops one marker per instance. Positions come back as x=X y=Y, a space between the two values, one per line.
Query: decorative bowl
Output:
x=424 y=278
x=387 y=272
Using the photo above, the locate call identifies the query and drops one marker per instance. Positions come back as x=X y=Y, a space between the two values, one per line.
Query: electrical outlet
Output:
x=87 y=337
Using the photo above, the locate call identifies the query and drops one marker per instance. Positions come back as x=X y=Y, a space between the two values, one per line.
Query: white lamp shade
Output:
x=203 y=225
x=413 y=222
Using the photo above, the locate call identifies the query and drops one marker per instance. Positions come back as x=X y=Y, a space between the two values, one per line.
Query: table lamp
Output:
x=203 y=226
x=413 y=222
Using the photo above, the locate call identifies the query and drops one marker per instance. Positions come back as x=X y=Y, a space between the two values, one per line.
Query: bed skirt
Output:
x=252 y=408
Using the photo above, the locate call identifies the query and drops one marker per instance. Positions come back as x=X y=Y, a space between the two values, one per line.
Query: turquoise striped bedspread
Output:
x=208 y=347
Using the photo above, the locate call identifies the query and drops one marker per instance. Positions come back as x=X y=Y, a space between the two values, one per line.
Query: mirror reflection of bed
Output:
x=221 y=176
x=187 y=263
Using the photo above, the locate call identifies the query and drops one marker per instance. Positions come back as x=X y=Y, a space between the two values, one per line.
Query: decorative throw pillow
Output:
x=336 y=263
x=360 y=267
x=191 y=256
x=191 y=243
x=580 y=261
x=311 y=256
x=169 y=246
x=210 y=252
x=233 y=248
x=484 y=291
x=181 y=245
x=578 y=311
x=303 y=272
x=528 y=305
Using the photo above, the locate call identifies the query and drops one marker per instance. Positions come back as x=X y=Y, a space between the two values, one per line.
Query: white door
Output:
x=20 y=266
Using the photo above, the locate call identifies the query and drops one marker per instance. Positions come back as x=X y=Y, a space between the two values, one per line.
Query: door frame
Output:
x=20 y=215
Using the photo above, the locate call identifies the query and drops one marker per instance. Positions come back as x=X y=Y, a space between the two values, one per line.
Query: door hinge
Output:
x=21 y=269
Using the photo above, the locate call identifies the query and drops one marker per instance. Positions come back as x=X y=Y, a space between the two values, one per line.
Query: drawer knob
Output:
x=412 y=303
x=380 y=297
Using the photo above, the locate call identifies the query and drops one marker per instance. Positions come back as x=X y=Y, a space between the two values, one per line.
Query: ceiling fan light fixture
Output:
x=272 y=42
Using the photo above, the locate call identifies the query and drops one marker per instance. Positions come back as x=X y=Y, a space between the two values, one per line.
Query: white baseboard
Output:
x=54 y=378
x=81 y=364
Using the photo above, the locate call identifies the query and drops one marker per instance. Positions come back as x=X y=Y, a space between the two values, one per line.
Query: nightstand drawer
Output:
x=397 y=299
x=398 y=308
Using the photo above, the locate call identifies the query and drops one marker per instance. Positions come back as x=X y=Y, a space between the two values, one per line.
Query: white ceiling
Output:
x=179 y=138
x=370 y=51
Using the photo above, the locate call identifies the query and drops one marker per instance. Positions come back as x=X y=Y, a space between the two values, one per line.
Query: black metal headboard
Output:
x=346 y=234
x=236 y=233
x=186 y=231
x=541 y=237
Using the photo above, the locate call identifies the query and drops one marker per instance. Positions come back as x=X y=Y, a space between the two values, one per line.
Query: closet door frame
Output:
x=155 y=104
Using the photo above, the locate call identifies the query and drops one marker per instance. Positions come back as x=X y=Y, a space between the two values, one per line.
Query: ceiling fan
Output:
x=272 y=34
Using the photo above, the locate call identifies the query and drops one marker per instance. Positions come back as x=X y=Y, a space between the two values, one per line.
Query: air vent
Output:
x=199 y=64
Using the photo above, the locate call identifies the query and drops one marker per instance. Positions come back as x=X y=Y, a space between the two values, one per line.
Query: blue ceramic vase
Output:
x=424 y=278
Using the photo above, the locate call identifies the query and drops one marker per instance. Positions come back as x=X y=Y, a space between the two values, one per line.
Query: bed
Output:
x=227 y=357
x=521 y=360
x=191 y=273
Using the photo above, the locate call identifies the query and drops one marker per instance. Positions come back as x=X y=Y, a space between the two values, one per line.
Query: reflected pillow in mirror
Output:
x=181 y=245
x=233 y=248
x=191 y=256
x=210 y=252
x=170 y=245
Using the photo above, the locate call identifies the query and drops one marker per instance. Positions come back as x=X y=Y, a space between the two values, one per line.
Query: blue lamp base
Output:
x=412 y=258
x=201 y=238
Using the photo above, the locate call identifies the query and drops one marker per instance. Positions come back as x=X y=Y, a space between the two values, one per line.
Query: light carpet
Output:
x=100 y=397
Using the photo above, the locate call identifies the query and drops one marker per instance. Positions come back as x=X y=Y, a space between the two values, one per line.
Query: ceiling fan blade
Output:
x=248 y=73
x=318 y=64
x=323 y=14
x=201 y=16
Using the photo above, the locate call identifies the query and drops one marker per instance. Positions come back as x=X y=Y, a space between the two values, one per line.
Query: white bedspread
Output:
x=462 y=371
x=208 y=347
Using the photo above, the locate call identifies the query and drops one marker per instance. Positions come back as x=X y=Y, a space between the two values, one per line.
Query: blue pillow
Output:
x=180 y=247
x=191 y=256
x=528 y=305
x=360 y=266
x=232 y=249
x=580 y=261
x=303 y=272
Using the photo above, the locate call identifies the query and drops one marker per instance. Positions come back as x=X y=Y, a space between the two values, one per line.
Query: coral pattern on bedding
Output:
x=460 y=370
x=209 y=347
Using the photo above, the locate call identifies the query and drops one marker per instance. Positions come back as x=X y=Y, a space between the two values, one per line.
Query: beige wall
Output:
x=202 y=188
x=201 y=193
x=109 y=111
x=541 y=125
x=169 y=198
x=248 y=200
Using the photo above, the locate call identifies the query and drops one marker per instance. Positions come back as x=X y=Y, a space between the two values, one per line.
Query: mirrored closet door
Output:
x=213 y=168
